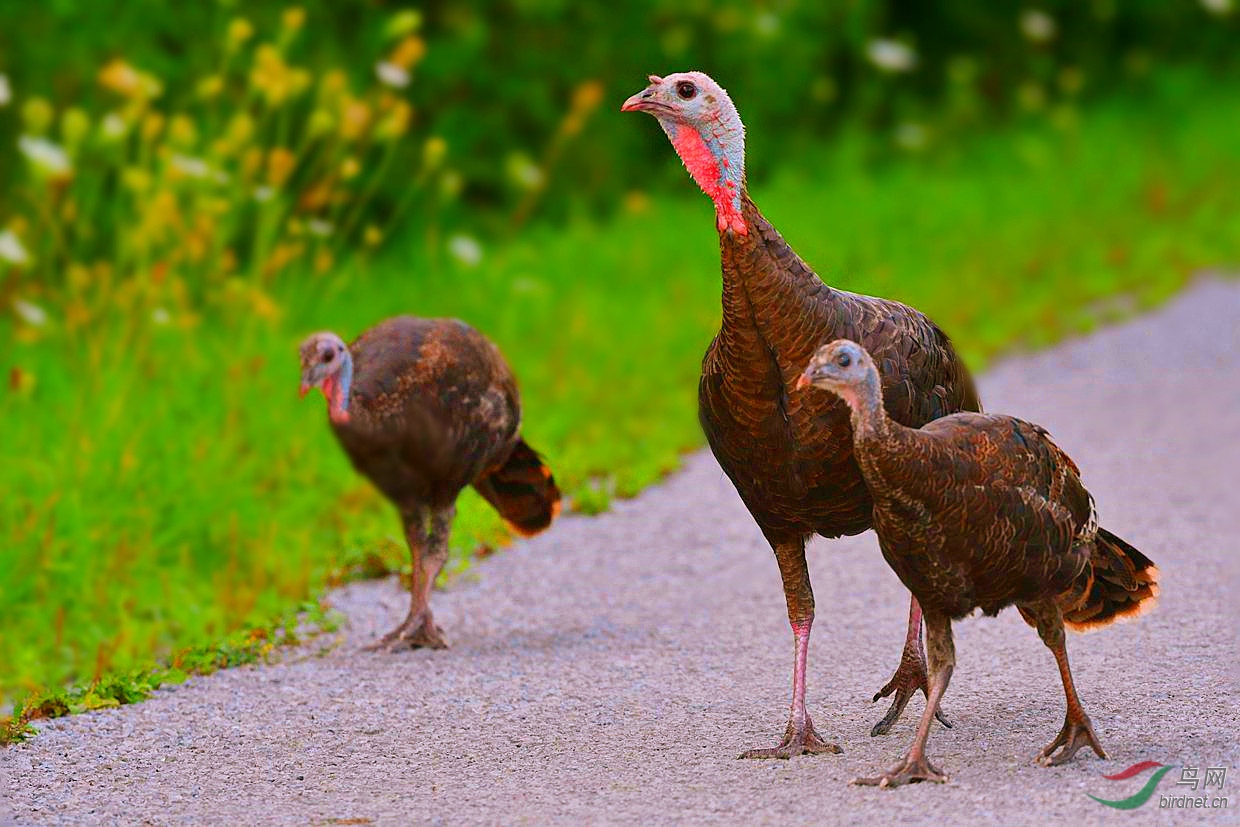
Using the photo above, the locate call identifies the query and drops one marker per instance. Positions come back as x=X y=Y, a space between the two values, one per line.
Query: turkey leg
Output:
x=428 y=553
x=1077 y=730
x=910 y=676
x=916 y=766
x=799 y=736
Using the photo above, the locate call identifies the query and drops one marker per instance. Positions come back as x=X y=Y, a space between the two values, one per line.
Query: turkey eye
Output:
x=844 y=360
x=686 y=90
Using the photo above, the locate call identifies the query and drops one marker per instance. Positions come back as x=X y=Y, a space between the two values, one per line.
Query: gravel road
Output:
x=611 y=670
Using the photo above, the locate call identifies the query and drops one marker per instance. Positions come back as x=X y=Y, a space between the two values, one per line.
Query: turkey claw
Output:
x=804 y=741
x=908 y=771
x=1073 y=736
x=416 y=632
x=908 y=679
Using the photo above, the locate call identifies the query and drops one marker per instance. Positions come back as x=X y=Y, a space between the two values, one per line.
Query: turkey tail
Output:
x=1124 y=584
x=523 y=491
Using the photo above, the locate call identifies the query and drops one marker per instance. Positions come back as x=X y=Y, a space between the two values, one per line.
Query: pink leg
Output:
x=910 y=676
x=799 y=736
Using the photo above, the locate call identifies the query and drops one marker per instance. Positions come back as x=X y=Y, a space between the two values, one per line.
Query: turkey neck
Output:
x=770 y=294
x=878 y=442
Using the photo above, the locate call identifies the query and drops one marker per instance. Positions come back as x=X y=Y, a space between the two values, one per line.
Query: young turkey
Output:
x=423 y=408
x=790 y=456
x=981 y=512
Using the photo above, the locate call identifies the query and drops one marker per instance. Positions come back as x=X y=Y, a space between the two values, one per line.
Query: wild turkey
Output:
x=423 y=408
x=975 y=511
x=790 y=457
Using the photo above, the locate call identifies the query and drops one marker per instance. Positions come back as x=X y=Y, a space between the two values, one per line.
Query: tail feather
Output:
x=523 y=491
x=1123 y=584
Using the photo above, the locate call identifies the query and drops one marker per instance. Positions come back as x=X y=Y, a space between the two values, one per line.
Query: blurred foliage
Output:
x=500 y=80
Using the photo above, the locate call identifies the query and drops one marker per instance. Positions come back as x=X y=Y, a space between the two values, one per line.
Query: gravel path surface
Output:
x=612 y=669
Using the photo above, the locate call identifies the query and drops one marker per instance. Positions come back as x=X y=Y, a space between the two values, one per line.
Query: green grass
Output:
x=165 y=487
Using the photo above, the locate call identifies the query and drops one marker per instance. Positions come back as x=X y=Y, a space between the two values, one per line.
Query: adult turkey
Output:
x=790 y=457
x=984 y=511
x=424 y=408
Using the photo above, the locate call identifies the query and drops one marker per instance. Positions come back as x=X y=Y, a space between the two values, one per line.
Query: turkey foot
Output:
x=417 y=631
x=909 y=677
x=797 y=741
x=912 y=769
x=1074 y=735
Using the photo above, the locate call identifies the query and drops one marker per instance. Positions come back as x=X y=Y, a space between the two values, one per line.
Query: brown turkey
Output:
x=978 y=511
x=790 y=456
x=424 y=408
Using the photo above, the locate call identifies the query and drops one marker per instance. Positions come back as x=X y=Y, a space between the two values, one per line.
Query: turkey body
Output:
x=433 y=408
x=985 y=511
x=790 y=456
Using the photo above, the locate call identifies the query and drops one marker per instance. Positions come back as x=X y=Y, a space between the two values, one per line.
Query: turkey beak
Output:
x=803 y=381
x=641 y=102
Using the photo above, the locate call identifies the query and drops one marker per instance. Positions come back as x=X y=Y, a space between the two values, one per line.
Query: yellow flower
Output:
x=433 y=151
x=37 y=115
x=123 y=79
x=349 y=168
x=118 y=76
x=354 y=118
x=152 y=126
x=136 y=179
x=182 y=132
x=210 y=86
x=323 y=260
x=373 y=236
x=280 y=165
x=240 y=130
x=239 y=31
x=270 y=74
x=298 y=81
x=251 y=162
x=587 y=96
x=332 y=85
x=293 y=18
x=74 y=127
x=409 y=20
x=408 y=52
x=320 y=123
x=395 y=123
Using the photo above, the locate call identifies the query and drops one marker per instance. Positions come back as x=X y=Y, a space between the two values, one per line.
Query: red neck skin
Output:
x=335 y=400
x=715 y=175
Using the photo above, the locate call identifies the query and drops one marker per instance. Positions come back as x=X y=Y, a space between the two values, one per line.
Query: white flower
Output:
x=263 y=193
x=113 y=127
x=319 y=227
x=524 y=172
x=46 y=157
x=11 y=249
x=6 y=91
x=30 y=312
x=766 y=24
x=1221 y=8
x=891 y=55
x=911 y=136
x=161 y=316
x=191 y=167
x=465 y=249
x=1037 y=25
x=392 y=75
